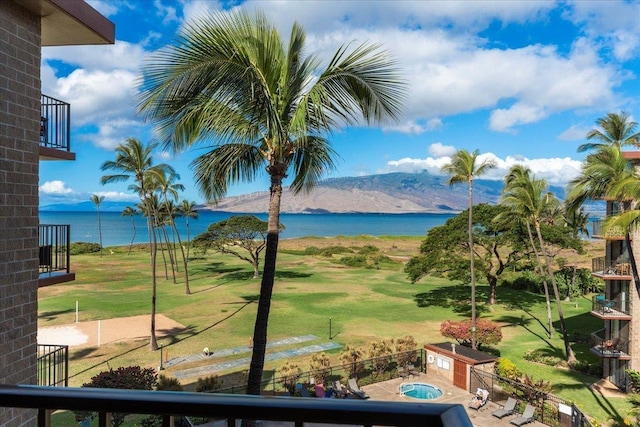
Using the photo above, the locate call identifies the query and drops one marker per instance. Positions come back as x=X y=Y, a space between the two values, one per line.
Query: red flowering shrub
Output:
x=487 y=332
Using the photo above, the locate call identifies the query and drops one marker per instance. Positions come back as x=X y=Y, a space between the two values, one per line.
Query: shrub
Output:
x=541 y=356
x=78 y=248
x=312 y=250
x=528 y=281
x=487 y=332
x=208 y=384
x=355 y=261
x=406 y=349
x=380 y=353
x=594 y=369
x=368 y=249
x=352 y=357
x=320 y=367
x=168 y=384
x=290 y=373
x=507 y=369
x=329 y=251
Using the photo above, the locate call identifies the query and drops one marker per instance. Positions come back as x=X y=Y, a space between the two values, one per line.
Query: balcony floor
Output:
x=611 y=314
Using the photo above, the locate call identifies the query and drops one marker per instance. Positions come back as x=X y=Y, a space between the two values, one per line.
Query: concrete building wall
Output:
x=634 y=299
x=19 y=130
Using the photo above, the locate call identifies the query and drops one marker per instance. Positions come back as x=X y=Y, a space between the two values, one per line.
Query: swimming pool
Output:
x=420 y=391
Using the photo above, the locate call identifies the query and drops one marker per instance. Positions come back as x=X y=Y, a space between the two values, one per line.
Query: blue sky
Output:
x=521 y=81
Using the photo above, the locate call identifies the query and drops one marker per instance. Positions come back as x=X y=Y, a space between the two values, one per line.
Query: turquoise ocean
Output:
x=118 y=230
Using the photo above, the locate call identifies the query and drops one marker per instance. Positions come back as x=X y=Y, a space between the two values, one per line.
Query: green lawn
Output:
x=363 y=304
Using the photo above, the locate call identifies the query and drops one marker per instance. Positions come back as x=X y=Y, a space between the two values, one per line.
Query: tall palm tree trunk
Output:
x=473 y=270
x=133 y=222
x=563 y=328
x=153 y=344
x=100 y=230
x=254 y=382
x=187 y=290
x=544 y=279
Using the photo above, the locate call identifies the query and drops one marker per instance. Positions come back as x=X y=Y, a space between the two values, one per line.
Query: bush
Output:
x=540 y=356
x=528 y=281
x=368 y=249
x=168 y=384
x=312 y=250
x=208 y=384
x=329 y=251
x=507 y=369
x=78 y=248
x=355 y=261
x=590 y=368
x=487 y=332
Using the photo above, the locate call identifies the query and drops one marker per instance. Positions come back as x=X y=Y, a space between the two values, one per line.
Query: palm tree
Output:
x=520 y=175
x=134 y=160
x=98 y=201
x=132 y=212
x=169 y=190
x=615 y=129
x=229 y=78
x=188 y=210
x=531 y=199
x=463 y=168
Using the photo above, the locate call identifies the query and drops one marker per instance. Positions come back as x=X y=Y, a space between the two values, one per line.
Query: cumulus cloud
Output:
x=56 y=187
x=556 y=170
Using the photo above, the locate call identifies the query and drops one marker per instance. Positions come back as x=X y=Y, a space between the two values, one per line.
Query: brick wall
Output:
x=19 y=128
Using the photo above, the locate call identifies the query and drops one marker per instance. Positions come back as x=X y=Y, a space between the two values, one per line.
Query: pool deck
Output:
x=390 y=391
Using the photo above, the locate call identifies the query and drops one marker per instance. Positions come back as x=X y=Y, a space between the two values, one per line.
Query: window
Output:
x=443 y=363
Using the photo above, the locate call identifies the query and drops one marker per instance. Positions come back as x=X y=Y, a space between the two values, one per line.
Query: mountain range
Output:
x=385 y=193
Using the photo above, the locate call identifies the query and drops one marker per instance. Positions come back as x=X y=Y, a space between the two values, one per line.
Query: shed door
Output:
x=459 y=374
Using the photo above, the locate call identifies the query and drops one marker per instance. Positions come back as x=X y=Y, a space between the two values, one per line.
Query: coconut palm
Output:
x=615 y=129
x=230 y=79
x=98 y=201
x=531 y=199
x=519 y=175
x=187 y=209
x=132 y=212
x=464 y=168
x=134 y=161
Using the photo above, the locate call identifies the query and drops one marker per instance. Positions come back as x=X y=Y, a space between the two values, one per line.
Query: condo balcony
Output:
x=598 y=231
x=611 y=347
x=53 y=254
x=55 y=129
x=616 y=308
x=171 y=405
x=610 y=270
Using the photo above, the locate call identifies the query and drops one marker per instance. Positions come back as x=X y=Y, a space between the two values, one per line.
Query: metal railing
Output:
x=609 y=347
x=54 y=241
x=230 y=407
x=53 y=365
x=618 y=306
x=55 y=123
x=598 y=229
x=600 y=267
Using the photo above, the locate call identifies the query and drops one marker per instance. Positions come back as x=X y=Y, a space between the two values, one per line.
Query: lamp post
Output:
x=330 y=335
x=161 y=367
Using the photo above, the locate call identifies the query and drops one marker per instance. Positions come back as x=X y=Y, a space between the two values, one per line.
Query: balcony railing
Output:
x=610 y=270
x=612 y=347
x=53 y=254
x=618 y=306
x=53 y=365
x=55 y=123
x=614 y=233
x=230 y=407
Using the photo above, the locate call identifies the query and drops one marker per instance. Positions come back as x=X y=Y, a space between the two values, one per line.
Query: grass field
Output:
x=364 y=305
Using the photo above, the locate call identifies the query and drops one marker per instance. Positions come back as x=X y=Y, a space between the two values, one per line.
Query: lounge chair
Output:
x=480 y=399
x=353 y=388
x=403 y=372
x=508 y=409
x=339 y=390
x=526 y=417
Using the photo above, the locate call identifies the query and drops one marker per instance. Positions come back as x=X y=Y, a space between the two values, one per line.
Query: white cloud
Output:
x=574 y=133
x=117 y=196
x=56 y=187
x=438 y=149
x=557 y=171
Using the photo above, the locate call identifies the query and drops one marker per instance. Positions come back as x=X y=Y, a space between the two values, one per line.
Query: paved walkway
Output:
x=244 y=362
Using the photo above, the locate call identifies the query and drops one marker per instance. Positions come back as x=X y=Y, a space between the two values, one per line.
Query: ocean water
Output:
x=119 y=231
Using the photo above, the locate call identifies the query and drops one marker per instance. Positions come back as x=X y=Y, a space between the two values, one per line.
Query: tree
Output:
x=229 y=78
x=187 y=209
x=519 y=175
x=98 y=201
x=463 y=168
x=247 y=232
x=531 y=199
x=445 y=250
x=406 y=350
x=615 y=130
x=380 y=353
x=487 y=333
x=132 y=212
x=134 y=160
x=289 y=374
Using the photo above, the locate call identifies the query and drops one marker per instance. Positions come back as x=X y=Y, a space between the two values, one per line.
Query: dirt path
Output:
x=108 y=331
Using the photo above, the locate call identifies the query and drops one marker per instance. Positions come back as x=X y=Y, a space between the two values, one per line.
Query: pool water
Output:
x=420 y=391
